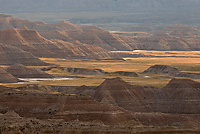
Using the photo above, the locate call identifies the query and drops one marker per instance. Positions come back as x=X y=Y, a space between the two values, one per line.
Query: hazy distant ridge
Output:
x=7 y=6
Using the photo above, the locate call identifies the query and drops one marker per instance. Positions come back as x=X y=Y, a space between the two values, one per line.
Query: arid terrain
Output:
x=76 y=79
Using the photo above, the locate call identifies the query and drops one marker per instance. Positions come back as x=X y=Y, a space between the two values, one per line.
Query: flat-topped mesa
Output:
x=21 y=71
x=161 y=69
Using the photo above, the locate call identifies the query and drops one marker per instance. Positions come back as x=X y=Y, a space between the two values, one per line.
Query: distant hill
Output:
x=67 y=40
x=64 y=40
x=10 y=55
x=24 y=6
x=6 y=77
x=21 y=71
x=31 y=41
x=176 y=37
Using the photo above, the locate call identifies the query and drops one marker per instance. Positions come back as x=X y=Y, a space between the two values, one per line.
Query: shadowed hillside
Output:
x=11 y=55
x=6 y=77
x=21 y=71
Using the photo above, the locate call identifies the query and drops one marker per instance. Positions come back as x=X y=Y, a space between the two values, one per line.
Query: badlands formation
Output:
x=114 y=106
x=32 y=40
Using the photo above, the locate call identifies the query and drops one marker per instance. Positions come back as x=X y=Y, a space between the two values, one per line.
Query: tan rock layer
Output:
x=179 y=96
x=6 y=77
x=11 y=55
x=45 y=106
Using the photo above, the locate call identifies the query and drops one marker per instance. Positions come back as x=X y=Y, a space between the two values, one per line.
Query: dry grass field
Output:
x=185 y=61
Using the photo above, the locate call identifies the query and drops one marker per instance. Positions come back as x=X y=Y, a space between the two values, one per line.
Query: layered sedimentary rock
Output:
x=179 y=96
x=92 y=35
x=85 y=71
x=73 y=107
x=11 y=122
x=161 y=69
x=66 y=31
x=6 y=77
x=164 y=69
x=177 y=104
x=125 y=73
x=118 y=92
x=179 y=101
x=86 y=109
x=176 y=37
x=21 y=71
x=31 y=41
x=11 y=55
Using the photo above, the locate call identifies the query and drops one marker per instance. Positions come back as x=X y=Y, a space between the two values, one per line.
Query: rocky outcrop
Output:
x=188 y=75
x=11 y=55
x=166 y=119
x=180 y=93
x=118 y=92
x=85 y=71
x=125 y=73
x=164 y=69
x=180 y=98
x=161 y=69
x=11 y=122
x=6 y=77
x=73 y=107
x=177 y=104
x=86 y=109
x=21 y=71
x=31 y=41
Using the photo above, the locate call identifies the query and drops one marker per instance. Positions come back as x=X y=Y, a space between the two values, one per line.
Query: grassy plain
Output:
x=185 y=61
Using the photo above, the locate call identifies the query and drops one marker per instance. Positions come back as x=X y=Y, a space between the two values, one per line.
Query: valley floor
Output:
x=58 y=103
